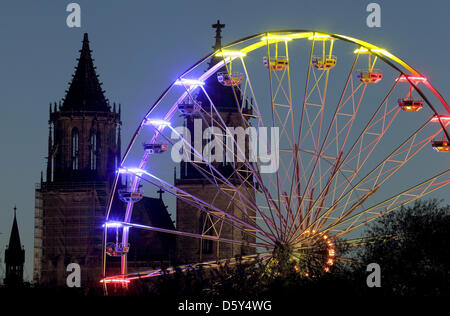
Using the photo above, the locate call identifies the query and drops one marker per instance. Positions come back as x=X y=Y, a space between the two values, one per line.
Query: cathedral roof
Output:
x=85 y=92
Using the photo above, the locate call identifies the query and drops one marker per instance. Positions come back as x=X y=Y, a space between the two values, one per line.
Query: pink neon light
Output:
x=404 y=78
x=115 y=281
x=442 y=118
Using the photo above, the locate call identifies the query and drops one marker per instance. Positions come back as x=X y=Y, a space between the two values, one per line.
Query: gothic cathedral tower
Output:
x=83 y=153
x=189 y=218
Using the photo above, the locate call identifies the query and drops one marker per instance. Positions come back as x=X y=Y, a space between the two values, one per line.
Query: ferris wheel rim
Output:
x=383 y=54
x=387 y=57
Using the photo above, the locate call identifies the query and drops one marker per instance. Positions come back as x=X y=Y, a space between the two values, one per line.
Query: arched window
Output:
x=93 y=150
x=75 y=149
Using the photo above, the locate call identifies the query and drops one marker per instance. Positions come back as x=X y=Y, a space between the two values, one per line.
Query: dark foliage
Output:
x=413 y=251
x=412 y=246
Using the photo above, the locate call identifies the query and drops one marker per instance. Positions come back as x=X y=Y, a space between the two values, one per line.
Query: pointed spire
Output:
x=85 y=92
x=14 y=238
x=14 y=257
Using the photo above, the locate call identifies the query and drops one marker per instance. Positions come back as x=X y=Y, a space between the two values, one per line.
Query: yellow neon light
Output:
x=230 y=54
x=366 y=45
x=276 y=38
x=361 y=50
x=323 y=37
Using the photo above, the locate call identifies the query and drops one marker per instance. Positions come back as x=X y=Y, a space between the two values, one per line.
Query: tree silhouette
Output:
x=412 y=247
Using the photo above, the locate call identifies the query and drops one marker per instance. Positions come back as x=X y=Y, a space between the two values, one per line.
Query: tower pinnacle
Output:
x=218 y=28
x=85 y=92
x=14 y=256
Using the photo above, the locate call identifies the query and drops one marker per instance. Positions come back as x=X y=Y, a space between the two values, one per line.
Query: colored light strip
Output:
x=189 y=82
x=156 y=122
x=112 y=224
x=404 y=78
x=115 y=281
x=320 y=37
x=442 y=118
x=230 y=54
x=361 y=50
x=136 y=171
x=276 y=38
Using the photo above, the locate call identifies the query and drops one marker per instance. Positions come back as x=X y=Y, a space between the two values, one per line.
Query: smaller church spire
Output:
x=14 y=256
x=14 y=238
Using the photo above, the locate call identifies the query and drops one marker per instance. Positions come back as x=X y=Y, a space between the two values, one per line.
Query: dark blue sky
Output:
x=141 y=46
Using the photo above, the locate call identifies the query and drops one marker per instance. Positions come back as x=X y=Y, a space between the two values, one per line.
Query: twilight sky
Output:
x=139 y=47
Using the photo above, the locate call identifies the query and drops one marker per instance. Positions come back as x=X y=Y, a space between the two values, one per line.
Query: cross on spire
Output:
x=218 y=28
x=160 y=193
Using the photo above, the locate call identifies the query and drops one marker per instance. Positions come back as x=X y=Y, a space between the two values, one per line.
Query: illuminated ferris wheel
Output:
x=330 y=144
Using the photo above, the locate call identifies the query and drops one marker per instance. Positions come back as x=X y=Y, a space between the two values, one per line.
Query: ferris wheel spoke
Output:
x=370 y=183
x=263 y=256
x=398 y=158
x=254 y=106
x=245 y=122
x=227 y=183
x=345 y=161
x=199 y=236
x=214 y=176
x=297 y=161
x=308 y=187
x=315 y=140
x=276 y=106
x=418 y=191
x=247 y=163
x=200 y=204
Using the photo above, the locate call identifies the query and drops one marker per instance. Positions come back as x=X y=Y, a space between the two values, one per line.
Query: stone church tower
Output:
x=191 y=219
x=83 y=153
